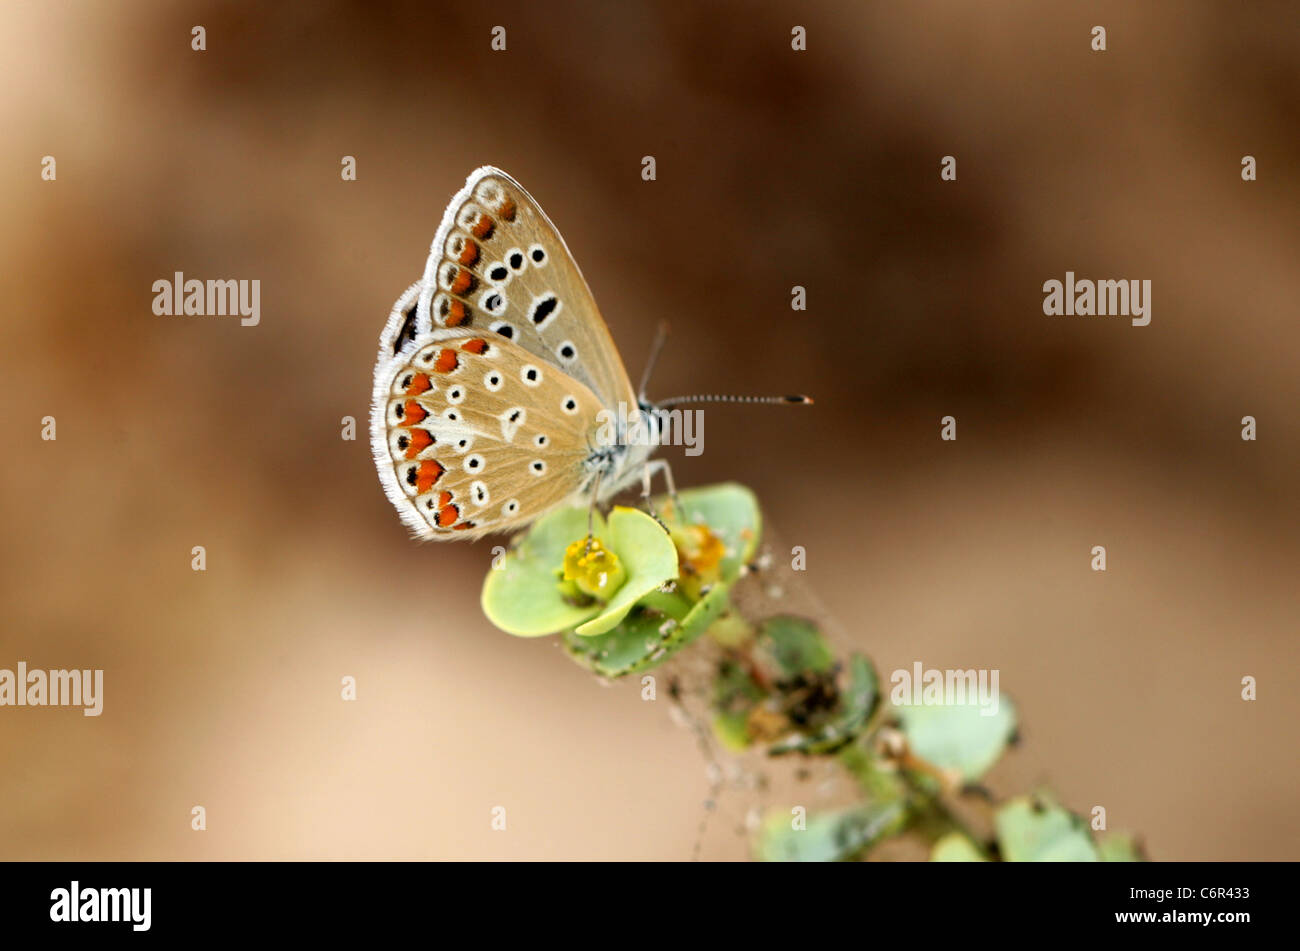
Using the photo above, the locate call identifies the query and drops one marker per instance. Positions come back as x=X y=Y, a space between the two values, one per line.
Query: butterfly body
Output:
x=498 y=391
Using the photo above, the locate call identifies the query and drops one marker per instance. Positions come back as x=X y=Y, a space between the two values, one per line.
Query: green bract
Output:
x=792 y=646
x=955 y=847
x=1031 y=829
x=835 y=836
x=959 y=736
x=791 y=697
x=525 y=596
x=1119 y=847
x=856 y=704
x=646 y=637
x=731 y=513
x=629 y=602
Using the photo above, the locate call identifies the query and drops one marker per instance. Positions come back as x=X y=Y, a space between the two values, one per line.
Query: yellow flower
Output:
x=595 y=569
x=699 y=554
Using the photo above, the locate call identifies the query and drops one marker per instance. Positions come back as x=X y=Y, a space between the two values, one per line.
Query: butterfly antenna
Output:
x=661 y=334
x=724 y=398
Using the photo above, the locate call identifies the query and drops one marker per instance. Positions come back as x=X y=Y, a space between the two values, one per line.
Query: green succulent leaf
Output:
x=1031 y=829
x=731 y=512
x=1119 y=847
x=955 y=847
x=837 y=836
x=791 y=646
x=644 y=638
x=523 y=596
x=648 y=556
x=735 y=694
x=732 y=731
x=857 y=702
x=959 y=736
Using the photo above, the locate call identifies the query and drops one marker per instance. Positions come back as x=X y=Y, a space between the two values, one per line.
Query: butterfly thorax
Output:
x=619 y=446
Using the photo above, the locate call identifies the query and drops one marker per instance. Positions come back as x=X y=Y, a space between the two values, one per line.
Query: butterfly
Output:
x=499 y=394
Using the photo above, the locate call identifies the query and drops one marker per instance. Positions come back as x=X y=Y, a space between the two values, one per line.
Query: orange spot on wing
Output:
x=507 y=209
x=419 y=383
x=477 y=345
x=468 y=254
x=447 y=361
x=463 y=282
x=418 y=441
x=447 y=516
x=444 y=499
x=412 y=413
x=482 y=228
x=430 y=471
x=462 y=526
x=457 y=314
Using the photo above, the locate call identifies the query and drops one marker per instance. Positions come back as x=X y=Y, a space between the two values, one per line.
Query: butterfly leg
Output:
x=647 y=473
x=591 y=510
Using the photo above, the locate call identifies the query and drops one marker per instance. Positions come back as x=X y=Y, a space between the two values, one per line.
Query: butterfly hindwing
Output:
x=474 y=434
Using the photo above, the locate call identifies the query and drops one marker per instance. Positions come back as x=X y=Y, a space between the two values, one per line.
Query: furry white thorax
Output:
x=619 y=453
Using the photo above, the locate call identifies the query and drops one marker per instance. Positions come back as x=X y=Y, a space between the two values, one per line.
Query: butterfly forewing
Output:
x=497 y=265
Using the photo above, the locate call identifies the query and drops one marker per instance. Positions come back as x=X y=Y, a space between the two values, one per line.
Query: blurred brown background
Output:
x=775 y=168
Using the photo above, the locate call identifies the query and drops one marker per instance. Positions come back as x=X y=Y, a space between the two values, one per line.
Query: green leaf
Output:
x=648 y=556
x=645 y=638
x=734 y=695
x=959 y=736
x=837 y=836
x=1030 y=829
x=792 y=646
x=731 y=513
x=1119 y=847
x=523 y=596
x=857 y=703
x=955 y=847
x=732 y=731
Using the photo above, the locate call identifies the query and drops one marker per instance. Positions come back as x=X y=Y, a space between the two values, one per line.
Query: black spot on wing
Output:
x=545 y=307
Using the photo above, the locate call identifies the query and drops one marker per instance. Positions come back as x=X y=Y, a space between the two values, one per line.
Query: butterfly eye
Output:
x=504 y=329
x=538 y=255
x=570 y=405
x=530 y=375
x=494 y=302
x=498 y=274
x=566 y=351
x=538 y=467
x=515 y=258
x=455 y=395
x=492 y=381
x=511 y=508
x=540 y=441
x=474 y=463
x=464 y=443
